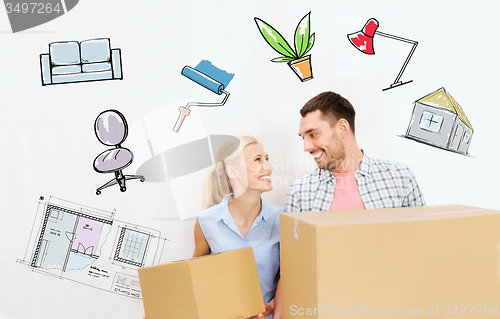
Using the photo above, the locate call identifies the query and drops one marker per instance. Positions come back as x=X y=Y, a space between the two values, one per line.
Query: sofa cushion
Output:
x=96 y=50
x=66 y=69
x=82 y=77
x=96 y=67
x=64 y=53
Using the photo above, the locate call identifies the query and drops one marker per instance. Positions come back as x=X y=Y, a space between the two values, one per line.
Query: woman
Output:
x=236 y=216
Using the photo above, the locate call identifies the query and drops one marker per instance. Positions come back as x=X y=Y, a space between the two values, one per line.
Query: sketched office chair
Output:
x=111 y=129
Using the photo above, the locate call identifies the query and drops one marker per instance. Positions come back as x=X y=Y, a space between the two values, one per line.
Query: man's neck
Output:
x=351 y=162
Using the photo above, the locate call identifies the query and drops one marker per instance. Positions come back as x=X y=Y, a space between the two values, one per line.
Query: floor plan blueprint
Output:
x=90 y=246
x=69 y=240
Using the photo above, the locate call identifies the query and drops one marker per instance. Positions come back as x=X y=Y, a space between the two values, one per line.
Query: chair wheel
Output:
x=142 y=179
x=98 y=192
x=123 y=189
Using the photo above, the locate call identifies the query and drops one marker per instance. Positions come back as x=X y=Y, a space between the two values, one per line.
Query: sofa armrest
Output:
x=116 y=63
x=45 y=69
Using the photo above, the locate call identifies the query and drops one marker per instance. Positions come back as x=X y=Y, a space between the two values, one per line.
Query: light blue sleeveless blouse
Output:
x=222 y=234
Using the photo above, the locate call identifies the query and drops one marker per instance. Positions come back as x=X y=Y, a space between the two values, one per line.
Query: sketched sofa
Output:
x=90 y=60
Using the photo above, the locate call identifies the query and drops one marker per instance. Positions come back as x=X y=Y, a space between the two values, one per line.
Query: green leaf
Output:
x=311 y=43
x=274 y=39
x=283 y=59
x=302 y=34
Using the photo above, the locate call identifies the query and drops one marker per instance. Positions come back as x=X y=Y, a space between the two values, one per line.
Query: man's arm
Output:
x=414 y=196
x=291 y=202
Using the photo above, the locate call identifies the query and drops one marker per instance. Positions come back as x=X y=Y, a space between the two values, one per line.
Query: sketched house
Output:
x=439 y=121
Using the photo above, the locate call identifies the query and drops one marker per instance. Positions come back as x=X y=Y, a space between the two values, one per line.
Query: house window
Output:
x=431 y=121
x=466 y=138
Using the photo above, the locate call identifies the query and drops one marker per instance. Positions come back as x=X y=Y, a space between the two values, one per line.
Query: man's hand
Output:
x=269 y=310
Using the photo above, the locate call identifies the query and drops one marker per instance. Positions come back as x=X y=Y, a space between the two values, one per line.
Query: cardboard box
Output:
x=221 y=286
x=425 y=262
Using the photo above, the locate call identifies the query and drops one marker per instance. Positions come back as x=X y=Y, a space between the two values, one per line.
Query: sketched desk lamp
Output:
x=111 y=129
x=205 y=81
x=363 y=41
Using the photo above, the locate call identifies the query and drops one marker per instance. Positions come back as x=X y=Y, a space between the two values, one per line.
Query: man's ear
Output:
x=230 y=171
x=342 y=128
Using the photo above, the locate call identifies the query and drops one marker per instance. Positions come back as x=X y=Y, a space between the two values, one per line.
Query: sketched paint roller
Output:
x=205 y=81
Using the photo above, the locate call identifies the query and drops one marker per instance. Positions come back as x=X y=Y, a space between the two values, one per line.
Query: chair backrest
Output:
x=111 y=128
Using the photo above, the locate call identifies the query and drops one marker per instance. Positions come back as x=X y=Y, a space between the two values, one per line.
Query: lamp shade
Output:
x=363 y=40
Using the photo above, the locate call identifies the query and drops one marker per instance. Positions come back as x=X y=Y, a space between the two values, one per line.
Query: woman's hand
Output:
x=273 y=307
x=269 y=310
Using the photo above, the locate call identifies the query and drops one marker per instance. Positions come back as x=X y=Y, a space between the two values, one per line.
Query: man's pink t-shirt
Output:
x=346 y=194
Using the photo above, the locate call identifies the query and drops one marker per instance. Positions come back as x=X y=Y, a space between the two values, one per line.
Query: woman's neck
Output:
x=245 y=207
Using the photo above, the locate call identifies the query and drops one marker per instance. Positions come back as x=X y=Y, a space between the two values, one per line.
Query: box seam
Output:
x=194 y=290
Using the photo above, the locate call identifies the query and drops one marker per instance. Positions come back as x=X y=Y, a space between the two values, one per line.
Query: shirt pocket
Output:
x=267 y=260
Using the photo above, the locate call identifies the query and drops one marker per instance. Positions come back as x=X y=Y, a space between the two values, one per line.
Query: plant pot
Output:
x=302 y=67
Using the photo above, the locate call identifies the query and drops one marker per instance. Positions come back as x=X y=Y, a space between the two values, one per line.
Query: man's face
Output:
x=321 y=141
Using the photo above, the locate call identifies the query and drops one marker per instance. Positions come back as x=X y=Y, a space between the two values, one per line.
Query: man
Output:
x=346 y=178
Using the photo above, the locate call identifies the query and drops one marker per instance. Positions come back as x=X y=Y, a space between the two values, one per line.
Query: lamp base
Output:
x=396 y=84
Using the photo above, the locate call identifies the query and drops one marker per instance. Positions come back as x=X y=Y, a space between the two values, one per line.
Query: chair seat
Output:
x=113 y=160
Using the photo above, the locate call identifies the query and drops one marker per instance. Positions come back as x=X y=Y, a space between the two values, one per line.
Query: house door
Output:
x=457 y=138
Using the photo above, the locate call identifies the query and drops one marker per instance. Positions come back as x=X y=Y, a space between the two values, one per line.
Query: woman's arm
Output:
x=201 y=247
x=273 y=307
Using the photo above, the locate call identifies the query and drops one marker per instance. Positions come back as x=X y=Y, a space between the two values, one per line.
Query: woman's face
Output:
x=258 y=169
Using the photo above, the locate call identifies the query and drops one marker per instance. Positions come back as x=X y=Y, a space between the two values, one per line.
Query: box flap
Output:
x=387 y=215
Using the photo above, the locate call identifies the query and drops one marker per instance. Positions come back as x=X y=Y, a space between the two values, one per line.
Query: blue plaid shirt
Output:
x=381 y=184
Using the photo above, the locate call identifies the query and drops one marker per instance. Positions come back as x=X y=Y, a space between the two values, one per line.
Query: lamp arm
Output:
x=415 y=43
x=395 y=37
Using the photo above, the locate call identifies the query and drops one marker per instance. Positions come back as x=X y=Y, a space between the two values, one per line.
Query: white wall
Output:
x=48 y=144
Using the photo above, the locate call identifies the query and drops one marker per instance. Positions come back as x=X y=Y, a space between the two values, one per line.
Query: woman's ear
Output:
x=231 y=172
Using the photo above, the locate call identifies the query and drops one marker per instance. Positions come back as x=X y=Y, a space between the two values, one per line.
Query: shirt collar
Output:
x=364 y=169
x=225 y=215
x=264 y=211
x=365 y=166
x=325 y=175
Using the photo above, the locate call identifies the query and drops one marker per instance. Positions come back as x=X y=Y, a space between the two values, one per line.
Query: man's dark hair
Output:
x=333 y=107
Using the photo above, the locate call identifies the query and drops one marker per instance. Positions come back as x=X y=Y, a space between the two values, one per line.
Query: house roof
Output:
x=443 y=99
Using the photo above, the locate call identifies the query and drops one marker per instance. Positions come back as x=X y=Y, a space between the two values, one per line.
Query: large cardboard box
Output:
x=422 y=262
x=218 y=286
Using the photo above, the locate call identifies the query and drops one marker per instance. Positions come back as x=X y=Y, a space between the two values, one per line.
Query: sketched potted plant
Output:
x=304 y=42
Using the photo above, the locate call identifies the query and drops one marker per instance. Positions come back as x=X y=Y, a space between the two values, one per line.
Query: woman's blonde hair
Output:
x=217 y=184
